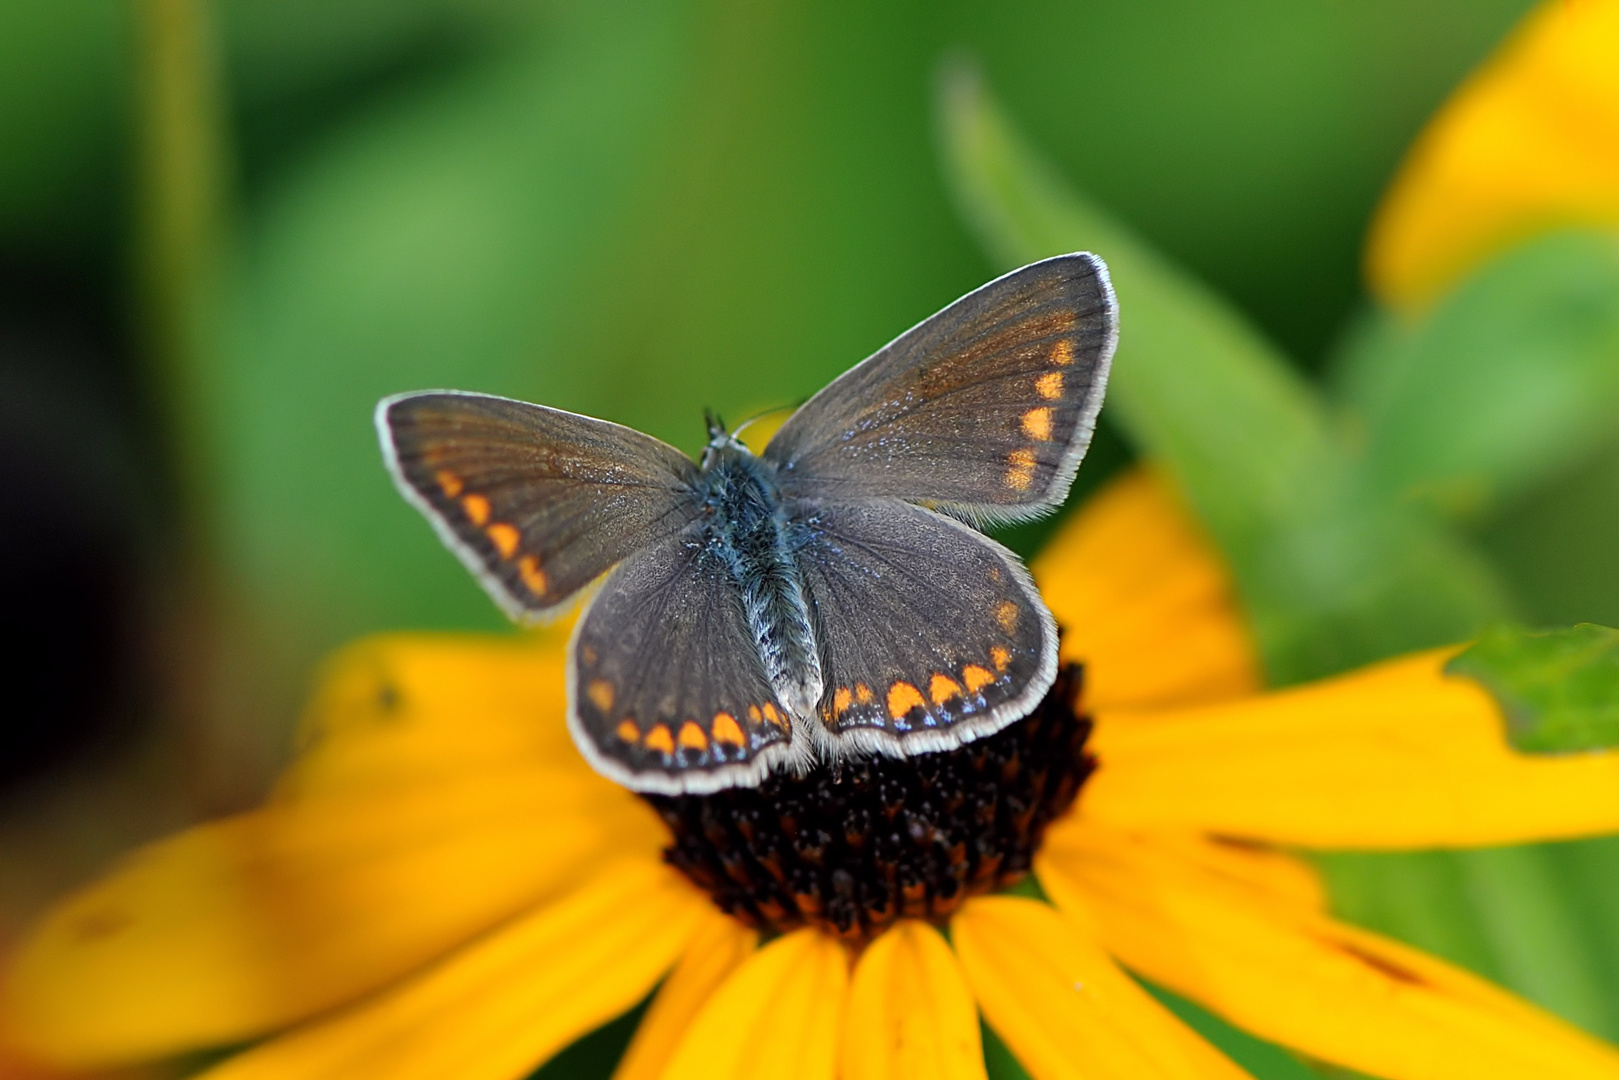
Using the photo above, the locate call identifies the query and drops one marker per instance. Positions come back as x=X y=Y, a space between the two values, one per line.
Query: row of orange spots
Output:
x=1037 y=423
x=505 y=537
x=691 y=737
x=903 y=696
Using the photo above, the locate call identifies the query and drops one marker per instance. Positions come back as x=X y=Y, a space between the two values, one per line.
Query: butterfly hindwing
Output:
x=984 y=409
x=930 y=633
x=536 y=501
x=667 y=691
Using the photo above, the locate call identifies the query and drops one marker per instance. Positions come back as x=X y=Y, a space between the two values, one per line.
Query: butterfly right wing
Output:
x=667 y=691
x=983 y=410
x=536 y=502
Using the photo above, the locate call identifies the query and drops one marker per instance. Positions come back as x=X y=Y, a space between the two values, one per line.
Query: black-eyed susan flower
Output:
x=440 y=887
x=1529 y=142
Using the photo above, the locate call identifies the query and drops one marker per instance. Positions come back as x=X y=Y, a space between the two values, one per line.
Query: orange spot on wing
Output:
x=660 y=739
x=1000 y=656
x=692 y=737
x=755 y=715
x=1020 y=469
x=976 y=677
x=600 y=693
x=863 y=694
x=505 y=538
x=1049 y=385
x=727 y=730
x=449 y=483
x=902 y=698
x=528 y=568
x=1062 y=353
x=942 y=688
x=841 y=700
x=477 y=508
x=1006 y=614
x=1037 y=423
x=628 y=731
x=773 y=716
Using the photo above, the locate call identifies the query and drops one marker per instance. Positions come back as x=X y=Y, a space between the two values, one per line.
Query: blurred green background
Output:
x=226 y=230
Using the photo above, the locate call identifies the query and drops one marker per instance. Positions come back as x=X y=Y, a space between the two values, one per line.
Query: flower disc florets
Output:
x=851 y=851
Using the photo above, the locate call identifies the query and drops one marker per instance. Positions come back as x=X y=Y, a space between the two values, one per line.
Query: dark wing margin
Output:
x=931 y=634
x=983 y=410
x=536 y=502
x=666 y=689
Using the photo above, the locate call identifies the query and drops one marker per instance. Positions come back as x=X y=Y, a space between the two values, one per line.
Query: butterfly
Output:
x=827 y=598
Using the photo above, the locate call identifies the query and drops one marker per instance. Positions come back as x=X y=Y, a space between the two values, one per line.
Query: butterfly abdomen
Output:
x=744 y=531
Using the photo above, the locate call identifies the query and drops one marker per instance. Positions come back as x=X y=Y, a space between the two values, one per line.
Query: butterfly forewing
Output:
x=667 y=689
x=537 y=502
x=984 y=409
x=930 y=634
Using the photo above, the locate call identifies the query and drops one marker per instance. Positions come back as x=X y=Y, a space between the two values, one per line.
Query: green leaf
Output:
x=1330 y=577
x=1559 y=689
x=1513 y=375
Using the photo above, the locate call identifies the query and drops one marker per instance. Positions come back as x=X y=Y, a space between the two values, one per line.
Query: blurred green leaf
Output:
x=64 y=70
x=1555 y=544
x=1514 y=374
x=1330 y=578
x=1559 y=689
x=1266 y=1061
x=1535 y=918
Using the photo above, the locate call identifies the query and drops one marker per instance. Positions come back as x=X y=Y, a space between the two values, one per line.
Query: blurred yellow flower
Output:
x=439 y=887
x=1529 y=142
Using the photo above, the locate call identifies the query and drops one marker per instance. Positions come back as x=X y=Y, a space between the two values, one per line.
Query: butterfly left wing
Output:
x=537 y=502
x=667 y=691
x=930 y=633
x=984 y=410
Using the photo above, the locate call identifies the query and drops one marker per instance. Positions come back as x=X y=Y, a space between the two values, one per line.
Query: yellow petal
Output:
x=911 y=1016
x=718 y=948
x=1144 y=602
x=241 y=926
x=407 y=709
x=776 y=1018
x=1529 y=142
x=1293 y=975
x=1274 y=873
x=500 y=1007
x=1063 y=1007
x=1397 y=755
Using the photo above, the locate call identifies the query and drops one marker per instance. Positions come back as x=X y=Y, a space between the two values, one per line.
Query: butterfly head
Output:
x=721 y=442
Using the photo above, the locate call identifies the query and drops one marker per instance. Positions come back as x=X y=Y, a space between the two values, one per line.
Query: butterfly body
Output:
x=825 y=598
x=746 y=531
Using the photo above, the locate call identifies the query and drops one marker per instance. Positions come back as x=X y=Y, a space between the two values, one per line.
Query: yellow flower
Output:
x=439 y=887
x=1529 y=142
